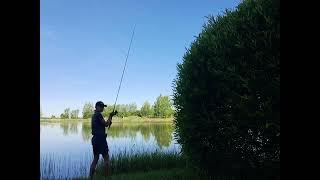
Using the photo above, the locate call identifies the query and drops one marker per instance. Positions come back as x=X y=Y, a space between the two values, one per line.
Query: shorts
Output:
x=99 y=145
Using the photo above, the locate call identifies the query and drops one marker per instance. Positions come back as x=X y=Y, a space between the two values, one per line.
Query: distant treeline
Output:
x=161 y=108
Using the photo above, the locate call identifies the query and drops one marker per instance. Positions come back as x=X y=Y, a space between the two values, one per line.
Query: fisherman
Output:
x=99 y=142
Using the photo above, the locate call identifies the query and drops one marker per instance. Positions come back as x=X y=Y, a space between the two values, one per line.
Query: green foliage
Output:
x=122 y=110
x=132 y=109
x=125 y=110
x=87 y=110
x=69 y=114
x=124 y=162
x=163 y=107
x=74 y=114
x=65 y=114
x=163 y=104
x=227 y=91
x=152 y=111
x=146 y=110
x=107 y=110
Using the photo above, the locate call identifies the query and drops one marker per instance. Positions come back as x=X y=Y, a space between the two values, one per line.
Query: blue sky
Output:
x=83 y=44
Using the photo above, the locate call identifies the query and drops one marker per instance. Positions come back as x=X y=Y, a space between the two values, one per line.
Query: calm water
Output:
x=65 y=148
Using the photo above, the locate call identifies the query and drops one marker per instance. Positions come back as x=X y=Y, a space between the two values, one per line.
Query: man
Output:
x=99 y=142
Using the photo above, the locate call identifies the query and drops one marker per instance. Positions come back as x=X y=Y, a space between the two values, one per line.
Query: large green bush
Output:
x=227 y=92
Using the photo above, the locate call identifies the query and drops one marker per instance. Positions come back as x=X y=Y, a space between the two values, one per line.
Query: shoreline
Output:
x=130 y=119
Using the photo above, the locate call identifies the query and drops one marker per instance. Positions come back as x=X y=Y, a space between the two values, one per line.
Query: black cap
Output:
x=101 y=104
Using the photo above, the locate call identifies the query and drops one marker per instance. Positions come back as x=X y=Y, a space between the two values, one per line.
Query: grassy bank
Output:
x=125 y=163
x=155 y=166
x=175 y=173
x=130 y=119
x=121 y=166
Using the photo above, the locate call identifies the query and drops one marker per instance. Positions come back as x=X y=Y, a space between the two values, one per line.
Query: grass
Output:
x=121 y=164
x=167 y=174
x=146 y=166
x=124 y=163
x=155 y=166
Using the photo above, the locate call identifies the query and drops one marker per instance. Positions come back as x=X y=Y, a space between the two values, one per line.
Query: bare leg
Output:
x=93 y=165
x=106 y=165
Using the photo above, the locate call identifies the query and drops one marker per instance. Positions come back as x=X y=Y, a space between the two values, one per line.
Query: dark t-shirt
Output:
x=97 y=128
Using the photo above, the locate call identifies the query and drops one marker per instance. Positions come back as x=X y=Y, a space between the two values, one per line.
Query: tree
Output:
x=227 y=92
x=125 y=110
x=74 y=114
x=87 y=111
x=132 y=109
x=163 y=107
x=152 y=114
x=65 y=114
x=146 y=109
x=138 y=113
x=107 y=110
x=122 y=110
x=41 y=112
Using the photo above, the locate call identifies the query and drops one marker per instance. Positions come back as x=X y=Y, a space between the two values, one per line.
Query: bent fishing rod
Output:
x=124 y=68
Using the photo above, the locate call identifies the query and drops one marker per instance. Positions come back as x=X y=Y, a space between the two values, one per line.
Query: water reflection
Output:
x=86 y=131
x=69 y=127
x=161 y=131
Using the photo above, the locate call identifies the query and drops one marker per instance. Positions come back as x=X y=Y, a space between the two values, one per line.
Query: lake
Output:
x=66 y=151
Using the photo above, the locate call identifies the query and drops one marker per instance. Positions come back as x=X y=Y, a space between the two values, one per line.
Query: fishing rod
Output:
x=124 y=68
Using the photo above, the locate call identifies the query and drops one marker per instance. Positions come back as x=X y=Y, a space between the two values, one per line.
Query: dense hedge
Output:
x=227 y=92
